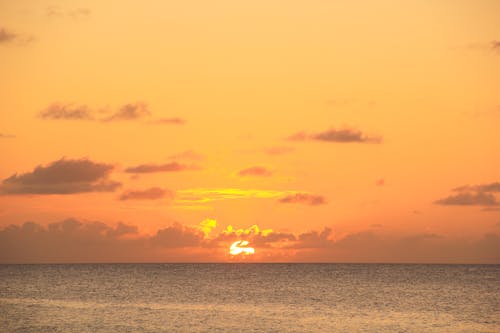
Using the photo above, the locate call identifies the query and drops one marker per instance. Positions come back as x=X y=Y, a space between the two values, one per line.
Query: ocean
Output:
x=249 y=298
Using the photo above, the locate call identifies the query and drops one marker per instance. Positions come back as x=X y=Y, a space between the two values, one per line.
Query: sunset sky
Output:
x=318 y=131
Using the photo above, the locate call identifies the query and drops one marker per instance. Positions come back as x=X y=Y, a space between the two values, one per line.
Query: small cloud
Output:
x=58 y=111
x=495 y=45
x=473 y=195
x=153 y=193
x=469 y=199
x=207 y=225
x=167 y=167
x=64 y=176
x=58 y=12
x=7 y=37
x=6 y=136
x=279 y=150
x=256 y=171
x=304 y=198
x=170 y=121
x=346 y=135
x=187 y=155
x=131 y=111
x=380 y=182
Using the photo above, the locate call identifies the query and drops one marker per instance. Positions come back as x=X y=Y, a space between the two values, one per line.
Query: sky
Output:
x=316 y=131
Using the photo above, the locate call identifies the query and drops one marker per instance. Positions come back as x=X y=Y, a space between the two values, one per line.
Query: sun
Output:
x=240 y=247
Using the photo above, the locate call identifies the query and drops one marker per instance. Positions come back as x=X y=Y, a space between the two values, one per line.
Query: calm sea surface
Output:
x=249 y=298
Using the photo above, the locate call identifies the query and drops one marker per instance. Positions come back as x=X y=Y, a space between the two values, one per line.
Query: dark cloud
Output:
x=473 y=195
x=131 y=111
x=170 y=121
x=345 y=135
x=7 y=36
x=279 y=150
x=167 y=167
x=153 y=193
x=418 y=248
x=178 y=235
x=256 y=171
x=187 y=155
x=304 y=198
x=491 y=187
x=314 y=239
x=74 y=241
x=58 y=111
x=65 y=176
x=469 y=199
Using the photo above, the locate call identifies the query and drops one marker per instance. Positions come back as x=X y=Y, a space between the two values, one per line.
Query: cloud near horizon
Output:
x=64 y=176
x=203 y=195
x=74 y=241
x=345 y=135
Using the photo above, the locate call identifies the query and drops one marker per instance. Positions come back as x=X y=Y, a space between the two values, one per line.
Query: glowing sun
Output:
x=240 y=247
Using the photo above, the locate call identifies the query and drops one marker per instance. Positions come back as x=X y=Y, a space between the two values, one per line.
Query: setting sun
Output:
x=240 y=247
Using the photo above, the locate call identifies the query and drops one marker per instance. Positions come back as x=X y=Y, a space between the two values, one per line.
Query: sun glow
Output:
x=240 y=247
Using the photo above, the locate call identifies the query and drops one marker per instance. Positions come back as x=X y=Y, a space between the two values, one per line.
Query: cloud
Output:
x=491 y=187
x=475 y=195
x=170 y=121
x=177 y=236
x=64 y=176
x=380 y=182
x=187 y=155
x=74 y=241
x=495 y=45
x=6 y=136
x=7 y=37
x=58 y=111
x=203 y=195
x=256 y=171
x=153 y=193
x=69 y=111
x=167 y=167
x=56 y=11
x=131 y=111
x=304 y=198
x=279 y=150
x=346 y=135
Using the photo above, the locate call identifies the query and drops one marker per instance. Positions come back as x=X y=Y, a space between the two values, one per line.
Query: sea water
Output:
x=249 y=298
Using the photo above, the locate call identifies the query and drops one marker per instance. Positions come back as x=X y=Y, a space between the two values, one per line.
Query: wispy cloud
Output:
x=64 y=176
x=279 y=150
x=6 y=136
x=59 y=111
x=255 y=171
x=304 y=198
x=166 y=167
x=202 y=195
x=187 y=155
x=170 y=121
x=153 y=193
x=130 y=111
x=472 y=195
x=9 y=37
x=345 y=135
x=76 y=13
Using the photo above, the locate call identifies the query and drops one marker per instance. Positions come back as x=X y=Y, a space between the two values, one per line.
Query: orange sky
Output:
x=354 y=131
